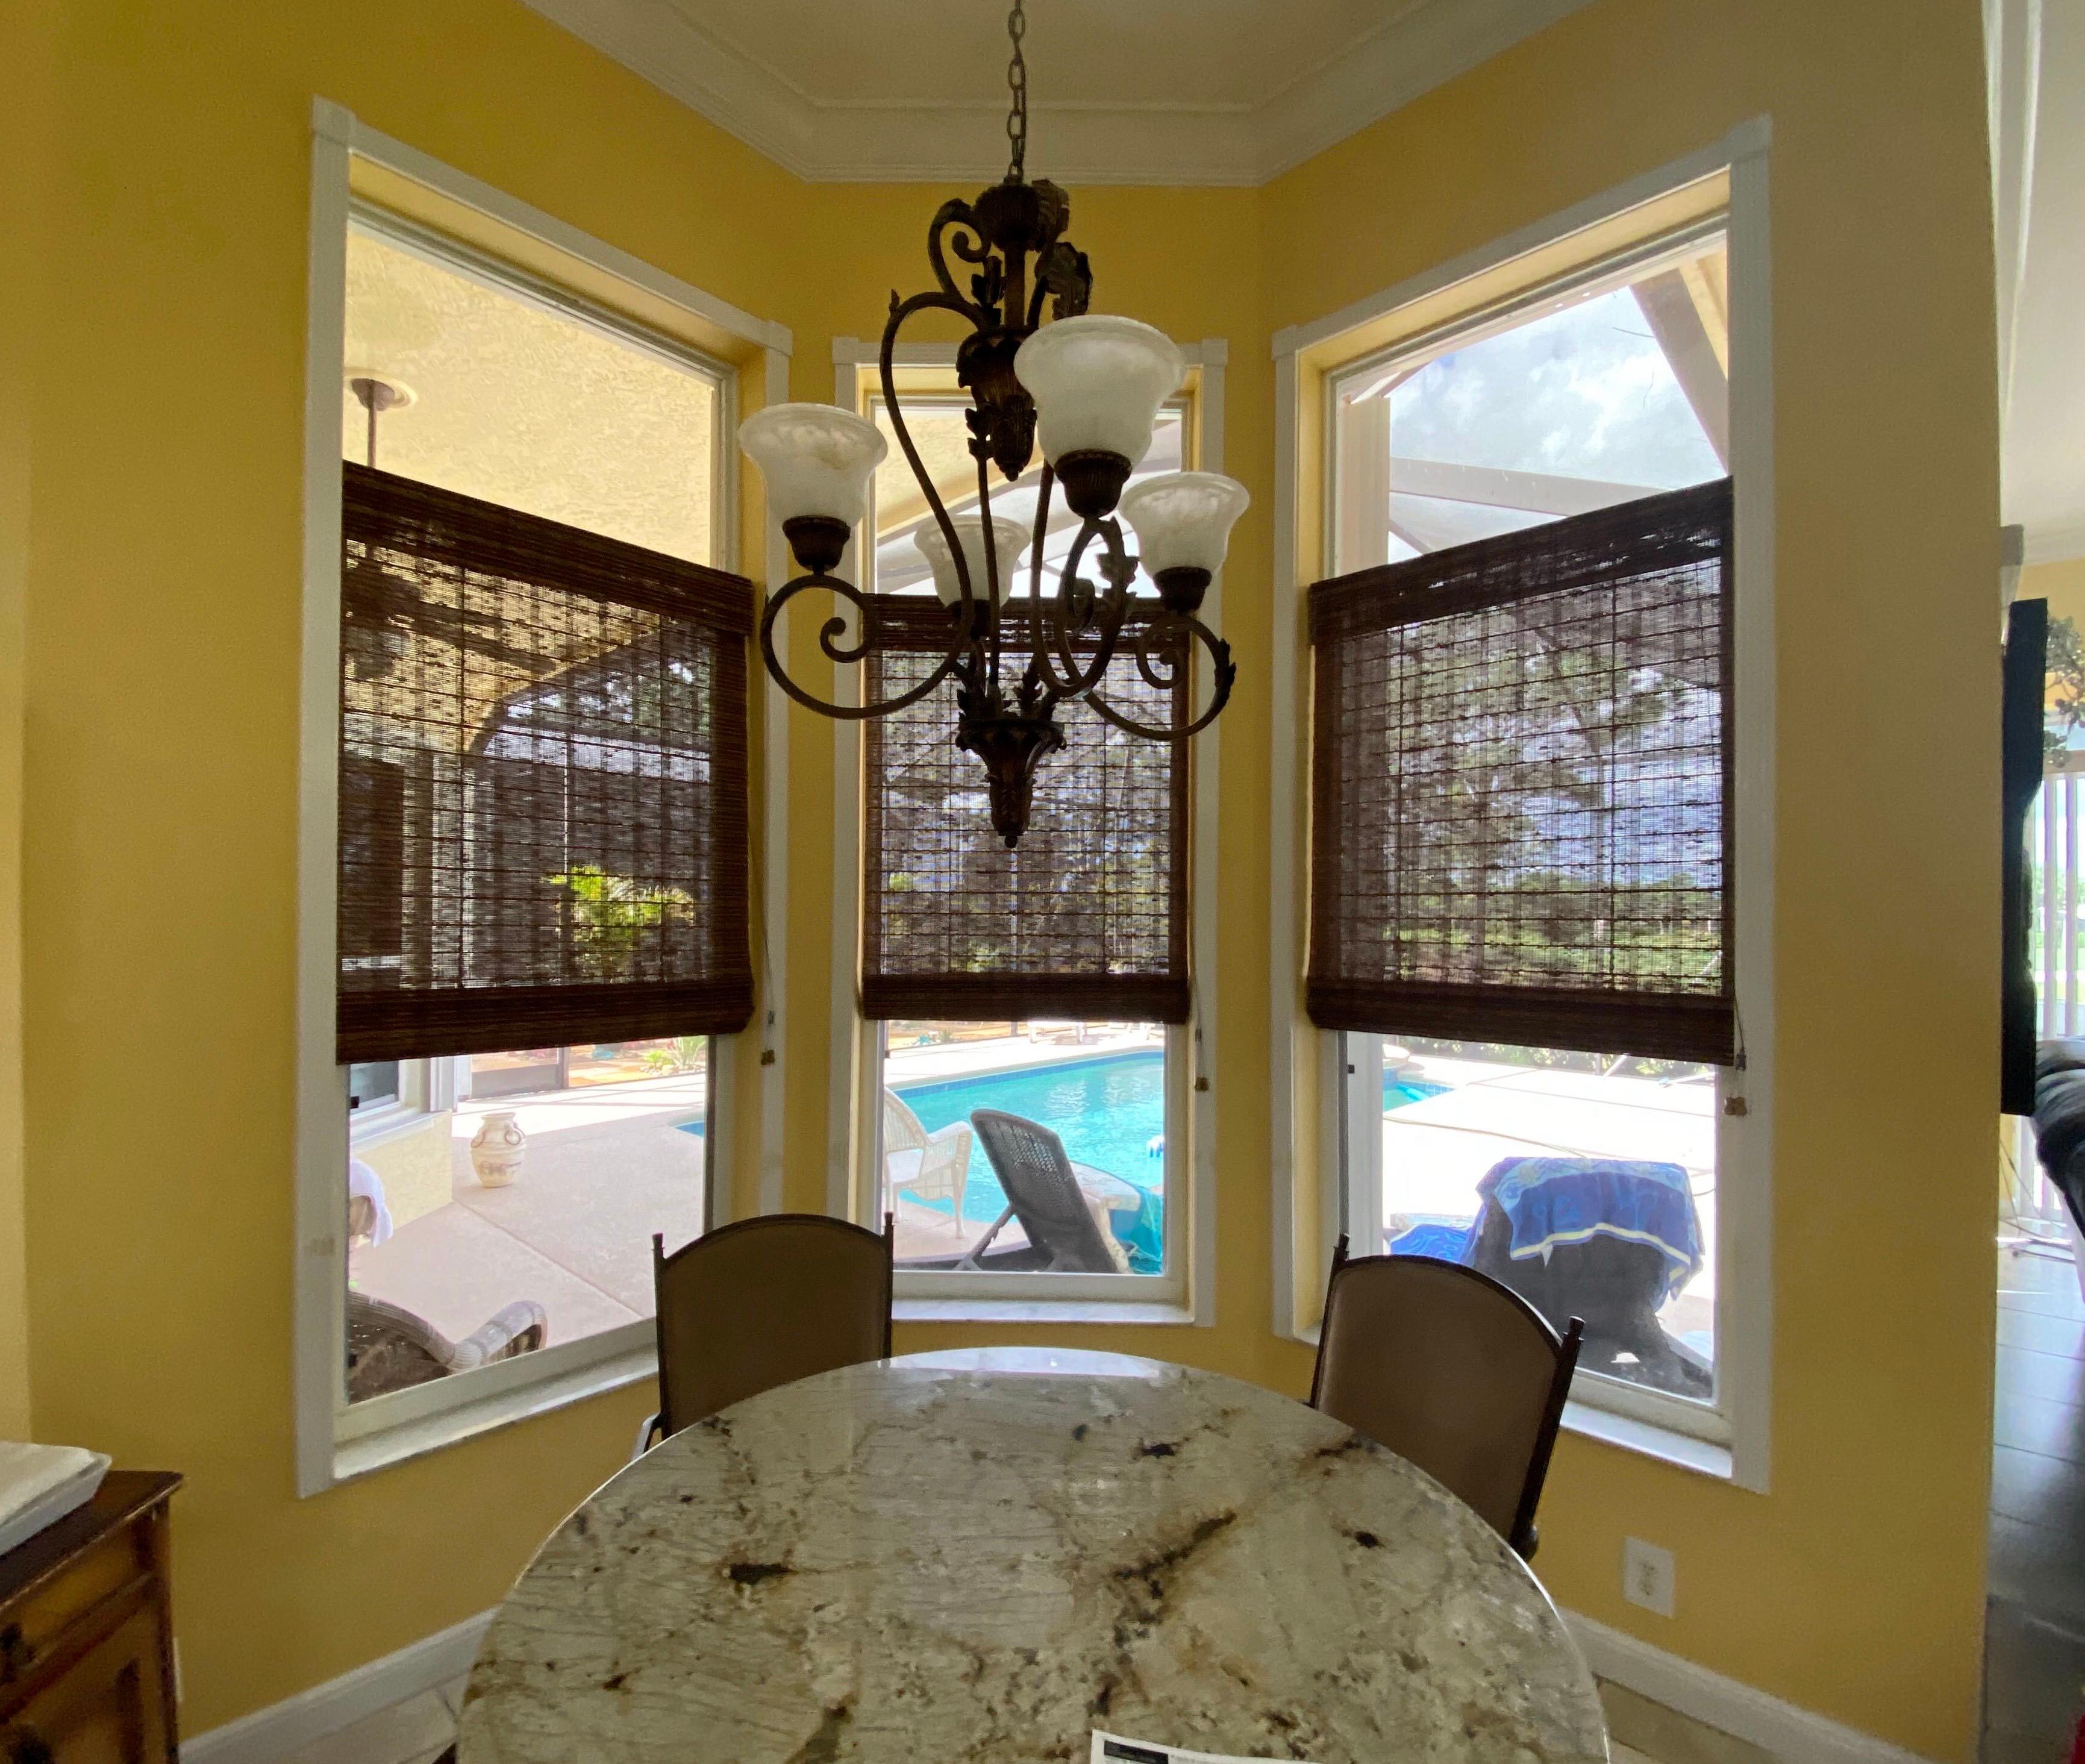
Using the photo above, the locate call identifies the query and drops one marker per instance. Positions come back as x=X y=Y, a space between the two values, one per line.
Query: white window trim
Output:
x=1745 y=1173
x=330 y=1447
x=852 y=1129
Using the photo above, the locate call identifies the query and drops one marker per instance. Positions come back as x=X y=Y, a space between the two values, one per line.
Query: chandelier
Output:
x=1089 y=387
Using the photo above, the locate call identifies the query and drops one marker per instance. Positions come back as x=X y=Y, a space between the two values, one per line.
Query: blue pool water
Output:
x=1397 y=1092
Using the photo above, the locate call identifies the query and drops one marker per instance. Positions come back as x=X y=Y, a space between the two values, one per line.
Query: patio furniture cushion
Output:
x=2059 y=1119
x=390 y=1348
x=1554 y=1201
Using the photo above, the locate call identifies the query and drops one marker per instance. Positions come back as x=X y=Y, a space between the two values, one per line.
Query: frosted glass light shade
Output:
x=1183 y=520
x=1098 y=382
x=1009 y=538
x=817 y=459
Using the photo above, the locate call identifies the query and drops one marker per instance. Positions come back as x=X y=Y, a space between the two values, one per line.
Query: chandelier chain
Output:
x=1017 y=83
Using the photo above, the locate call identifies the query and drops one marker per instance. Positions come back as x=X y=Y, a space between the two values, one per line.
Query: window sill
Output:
x=1036 y=1311
x=1703 y=1457
x=353 y=1459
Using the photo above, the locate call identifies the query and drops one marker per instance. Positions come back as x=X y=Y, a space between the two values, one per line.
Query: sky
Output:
x=1584 y=393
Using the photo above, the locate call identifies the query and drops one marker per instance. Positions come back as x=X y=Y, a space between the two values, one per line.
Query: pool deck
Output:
x=606 y=1165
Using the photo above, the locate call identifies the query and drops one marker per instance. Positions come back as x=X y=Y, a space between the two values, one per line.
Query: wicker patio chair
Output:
x=389 y=1348
x=1043 y=1192
x=928 y=1167
x=1451 y=1369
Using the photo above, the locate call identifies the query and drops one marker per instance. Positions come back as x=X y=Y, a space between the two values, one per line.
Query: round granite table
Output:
x=981 y=1556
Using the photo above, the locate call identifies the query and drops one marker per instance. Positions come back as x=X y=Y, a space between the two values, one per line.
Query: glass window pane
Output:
x=1586 y=1182
x=1099 y=1088
x=1592 y=399
x=372 y=1083
x=517 y=403
x=544 y=1184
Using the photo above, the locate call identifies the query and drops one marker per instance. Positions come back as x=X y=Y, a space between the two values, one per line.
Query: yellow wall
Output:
x=2061 y=585
x=27 y=43
x=164 y=393
x=1855 y=1586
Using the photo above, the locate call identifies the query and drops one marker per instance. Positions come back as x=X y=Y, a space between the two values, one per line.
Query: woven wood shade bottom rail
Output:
x=1696 y=1030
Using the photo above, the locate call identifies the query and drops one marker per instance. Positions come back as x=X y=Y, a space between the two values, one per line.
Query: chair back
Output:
x=902 y=1131
x=1035 y=1170
x=1451 y=1370
x=766 y=1302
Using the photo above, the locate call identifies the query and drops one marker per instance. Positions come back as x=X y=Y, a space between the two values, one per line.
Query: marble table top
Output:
x=981 y=1556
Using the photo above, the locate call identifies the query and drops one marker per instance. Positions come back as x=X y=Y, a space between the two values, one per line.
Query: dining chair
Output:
x=1451 y=1369
x=762 y=1302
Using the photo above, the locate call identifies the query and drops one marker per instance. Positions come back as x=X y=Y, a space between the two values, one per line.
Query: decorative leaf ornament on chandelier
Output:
x=1088 y=386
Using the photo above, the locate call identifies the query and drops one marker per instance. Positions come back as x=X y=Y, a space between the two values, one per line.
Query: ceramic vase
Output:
x=496 y=1149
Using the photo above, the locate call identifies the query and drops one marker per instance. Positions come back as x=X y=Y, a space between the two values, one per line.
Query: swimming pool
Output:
x=1110 y=1110
x=1107 y=1110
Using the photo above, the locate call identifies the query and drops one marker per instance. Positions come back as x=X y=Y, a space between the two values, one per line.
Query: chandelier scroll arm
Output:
x=1056 y=624
x=955 y=212
x=842 y=654
x=1166 y=676
x=901 y=310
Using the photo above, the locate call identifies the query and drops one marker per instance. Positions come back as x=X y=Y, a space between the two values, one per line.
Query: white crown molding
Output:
x=1422 y=46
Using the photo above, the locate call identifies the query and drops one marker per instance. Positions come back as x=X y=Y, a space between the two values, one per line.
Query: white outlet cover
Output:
x=1647 y=1575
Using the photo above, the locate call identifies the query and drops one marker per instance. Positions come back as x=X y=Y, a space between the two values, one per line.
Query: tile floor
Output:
x=418 y=1731
x=2034 y=1647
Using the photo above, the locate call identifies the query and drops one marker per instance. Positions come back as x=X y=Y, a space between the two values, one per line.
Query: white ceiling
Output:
x=1120 y=91
x=2040 y=120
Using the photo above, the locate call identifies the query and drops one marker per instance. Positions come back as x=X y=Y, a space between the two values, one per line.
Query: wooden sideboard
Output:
x=86 y=1649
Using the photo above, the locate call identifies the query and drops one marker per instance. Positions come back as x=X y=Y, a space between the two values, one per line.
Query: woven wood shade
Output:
x=1086 y=917
x=542 y=783
x=1521 y=787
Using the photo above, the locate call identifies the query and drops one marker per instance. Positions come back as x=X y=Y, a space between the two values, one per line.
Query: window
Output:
x=1528 y=949
x=542 y=820
x=1052 y=987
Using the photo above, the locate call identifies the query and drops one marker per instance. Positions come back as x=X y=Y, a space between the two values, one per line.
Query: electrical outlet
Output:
x=1647 y=1575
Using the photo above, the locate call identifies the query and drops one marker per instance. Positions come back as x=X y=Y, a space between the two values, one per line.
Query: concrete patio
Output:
x=606 y=1166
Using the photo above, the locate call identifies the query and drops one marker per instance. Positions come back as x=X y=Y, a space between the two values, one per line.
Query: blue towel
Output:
x=1143 y=1233
x=1552 y=1201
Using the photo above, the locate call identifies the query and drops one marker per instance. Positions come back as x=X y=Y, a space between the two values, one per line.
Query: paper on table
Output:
x=1113 y=1749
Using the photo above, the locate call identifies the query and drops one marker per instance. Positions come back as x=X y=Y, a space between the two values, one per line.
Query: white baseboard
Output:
x=1792 y=1735
x=268 y=1735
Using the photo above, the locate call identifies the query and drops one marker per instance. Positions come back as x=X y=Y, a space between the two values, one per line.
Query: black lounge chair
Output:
x=1043 y=1192
x=1614 y=1285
